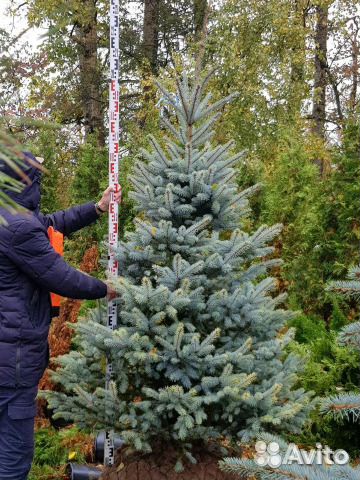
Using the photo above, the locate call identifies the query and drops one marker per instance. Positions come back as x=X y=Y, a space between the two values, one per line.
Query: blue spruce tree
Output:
x=199 y=351
x=342 y=407
x=291 y=470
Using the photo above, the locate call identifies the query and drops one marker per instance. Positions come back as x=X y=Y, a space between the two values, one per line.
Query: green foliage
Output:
x=48 y=448
x=52 y=449
x=46 y=472
x=89 y=181
x=246 y=467
x=199 y=351
x=46 y=146
x=260 y=46
x=329 y=369
x=293 y=196
x=347 y=406
x=10 y=155
x=334 y=377
x=338 y=317
x=342 y=208
x=90 y=176
x=320 y=217
x=308 y=328
x=264 y=50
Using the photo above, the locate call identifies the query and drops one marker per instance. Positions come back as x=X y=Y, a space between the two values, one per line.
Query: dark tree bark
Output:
x=150 y=48
x=151 y=33
x=335 y=84
x=298 y=58
x=90 y=72
x=201 y=18
x=320 y=78
x=200 y=9
x=355 y=51
x=319 y=97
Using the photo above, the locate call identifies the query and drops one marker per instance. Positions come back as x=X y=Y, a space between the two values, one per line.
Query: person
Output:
x=29 y=270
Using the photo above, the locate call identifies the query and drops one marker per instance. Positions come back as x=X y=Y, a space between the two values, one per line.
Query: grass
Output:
x=54 y=449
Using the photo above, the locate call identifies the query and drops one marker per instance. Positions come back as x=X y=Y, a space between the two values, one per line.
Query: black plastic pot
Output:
x=99 y=445
x=82 y=472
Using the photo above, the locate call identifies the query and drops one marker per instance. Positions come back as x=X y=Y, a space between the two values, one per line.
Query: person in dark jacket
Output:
x=29 y=270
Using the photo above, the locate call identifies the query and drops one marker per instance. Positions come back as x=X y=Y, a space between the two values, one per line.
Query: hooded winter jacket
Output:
x=29 y=270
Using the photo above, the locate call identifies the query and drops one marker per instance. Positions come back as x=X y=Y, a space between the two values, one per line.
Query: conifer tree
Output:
x=290 y=470
x=199 y=348
x=345 y=406
x=10 y=157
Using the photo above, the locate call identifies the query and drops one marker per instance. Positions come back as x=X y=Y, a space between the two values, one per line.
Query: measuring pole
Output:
x=113 y=182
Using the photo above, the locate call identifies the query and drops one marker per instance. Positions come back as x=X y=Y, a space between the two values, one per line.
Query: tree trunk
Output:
x=151 y=33
x=150 y=47
x=90 y=72
x=298 y=88
x=200 y=8
x=201 y=21
x=319 y=97
x=354 y=70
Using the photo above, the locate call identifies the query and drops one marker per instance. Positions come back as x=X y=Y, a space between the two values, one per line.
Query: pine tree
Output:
x=341 y=407
x=199 y=351
x=346 y=406
x=247 y=468
x=10 y=157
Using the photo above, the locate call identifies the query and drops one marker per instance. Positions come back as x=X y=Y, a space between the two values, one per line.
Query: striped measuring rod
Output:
x=109 y=451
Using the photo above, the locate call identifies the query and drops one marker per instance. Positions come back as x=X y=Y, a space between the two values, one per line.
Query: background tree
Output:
x=320 y=62
x=347 y=405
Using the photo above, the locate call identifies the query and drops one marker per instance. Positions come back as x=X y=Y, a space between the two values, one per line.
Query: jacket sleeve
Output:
x=72 y=219
x=31 y=251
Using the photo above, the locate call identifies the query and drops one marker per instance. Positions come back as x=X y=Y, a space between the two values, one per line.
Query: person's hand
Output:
x=103 y=203
x=111 y=293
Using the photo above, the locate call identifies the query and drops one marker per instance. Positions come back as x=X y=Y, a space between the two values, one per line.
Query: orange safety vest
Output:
x=57 y=242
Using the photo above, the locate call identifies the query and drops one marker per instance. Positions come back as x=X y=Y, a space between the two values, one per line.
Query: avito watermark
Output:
x=269 y=454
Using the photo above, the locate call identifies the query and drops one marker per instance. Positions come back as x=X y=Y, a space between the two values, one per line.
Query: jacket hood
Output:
x=30 y=196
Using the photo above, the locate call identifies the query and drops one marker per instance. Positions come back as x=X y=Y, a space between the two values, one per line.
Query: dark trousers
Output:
x=17 y=414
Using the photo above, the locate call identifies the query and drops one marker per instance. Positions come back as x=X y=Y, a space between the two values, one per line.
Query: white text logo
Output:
x=269 y=454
